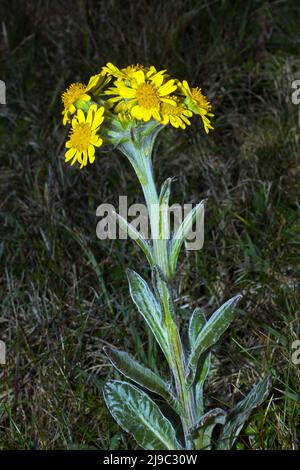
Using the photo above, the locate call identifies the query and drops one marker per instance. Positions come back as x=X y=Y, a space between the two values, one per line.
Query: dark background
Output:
x=64 y=292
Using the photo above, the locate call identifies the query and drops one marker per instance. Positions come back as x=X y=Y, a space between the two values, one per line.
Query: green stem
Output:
x=141 y=161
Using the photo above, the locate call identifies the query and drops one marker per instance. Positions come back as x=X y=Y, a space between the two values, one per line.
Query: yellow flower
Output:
x=75 y=92
x=83 y=136
x=78 y=92
x=144 y=94
x=177 y=115
x=197 y=103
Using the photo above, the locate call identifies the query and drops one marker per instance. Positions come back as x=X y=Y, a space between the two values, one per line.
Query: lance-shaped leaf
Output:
x=135 y=235
x=148 y=307
x=210 y=333
x=164 y=222
x=142 y=376
x=201 y=433
x=184 y=229
x=196 y=323
x=137 y=414
x=238 y=416
x=202 y=373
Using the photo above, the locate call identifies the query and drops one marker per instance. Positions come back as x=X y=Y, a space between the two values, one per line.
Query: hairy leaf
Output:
x=135 y=235
x=142 y=375
x=202 y=431
x=238 y=416
x=210 y=333
x=186 y=226
x=137 y=414
x=148 y=307
x=164 y=225
x=203 y=370
x=196 y=323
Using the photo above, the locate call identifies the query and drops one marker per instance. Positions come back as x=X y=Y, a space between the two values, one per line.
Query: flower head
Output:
x=197 y=103
x=177 y=115
x=143 y=94
x=83 y=137
x=78 y=94
x=75 y=92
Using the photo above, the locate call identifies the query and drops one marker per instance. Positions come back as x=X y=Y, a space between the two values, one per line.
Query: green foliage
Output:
x=210 y=334
x=142 y=376
x=237 y=417
x=140 y=416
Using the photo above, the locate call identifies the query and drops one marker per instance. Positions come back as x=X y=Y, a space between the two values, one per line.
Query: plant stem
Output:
x=144 y=171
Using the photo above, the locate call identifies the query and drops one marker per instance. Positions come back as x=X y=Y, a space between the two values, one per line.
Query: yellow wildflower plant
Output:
x=84 y=137
x=129 y=115
x=144 y=94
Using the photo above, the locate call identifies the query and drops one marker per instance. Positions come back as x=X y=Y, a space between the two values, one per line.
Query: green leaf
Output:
x=137 y=414
x=149 y=308
x=210 y=333
x=238 y=416
x=203 y=367
x=182 y=233
x=135 y=235
x=142 y=375
x=196 y=323
x=164 y=225
x=201 y=433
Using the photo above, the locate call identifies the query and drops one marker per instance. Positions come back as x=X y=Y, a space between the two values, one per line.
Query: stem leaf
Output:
x=136 y=236
x=183 y=230
x=143 y=376
x=137 y=414
x=238 y=416
x=148 y=307
x=210 y=333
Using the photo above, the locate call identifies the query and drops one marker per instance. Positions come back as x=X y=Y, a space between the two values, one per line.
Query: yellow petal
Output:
x=69 y=154
x=80 y=115
x=167 y=88
x=139 y=77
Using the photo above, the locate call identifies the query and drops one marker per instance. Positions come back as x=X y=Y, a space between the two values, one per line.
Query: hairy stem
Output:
x=143 y=168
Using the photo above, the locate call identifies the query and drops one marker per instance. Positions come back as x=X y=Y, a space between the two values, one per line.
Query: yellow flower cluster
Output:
x=136 y=93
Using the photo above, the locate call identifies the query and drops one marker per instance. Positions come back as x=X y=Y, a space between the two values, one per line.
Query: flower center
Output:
x=200 y=99
x=72 y=94
x=80 y=137
x=146 y=96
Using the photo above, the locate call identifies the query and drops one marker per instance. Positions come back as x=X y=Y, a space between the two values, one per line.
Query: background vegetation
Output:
x=64 y=292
